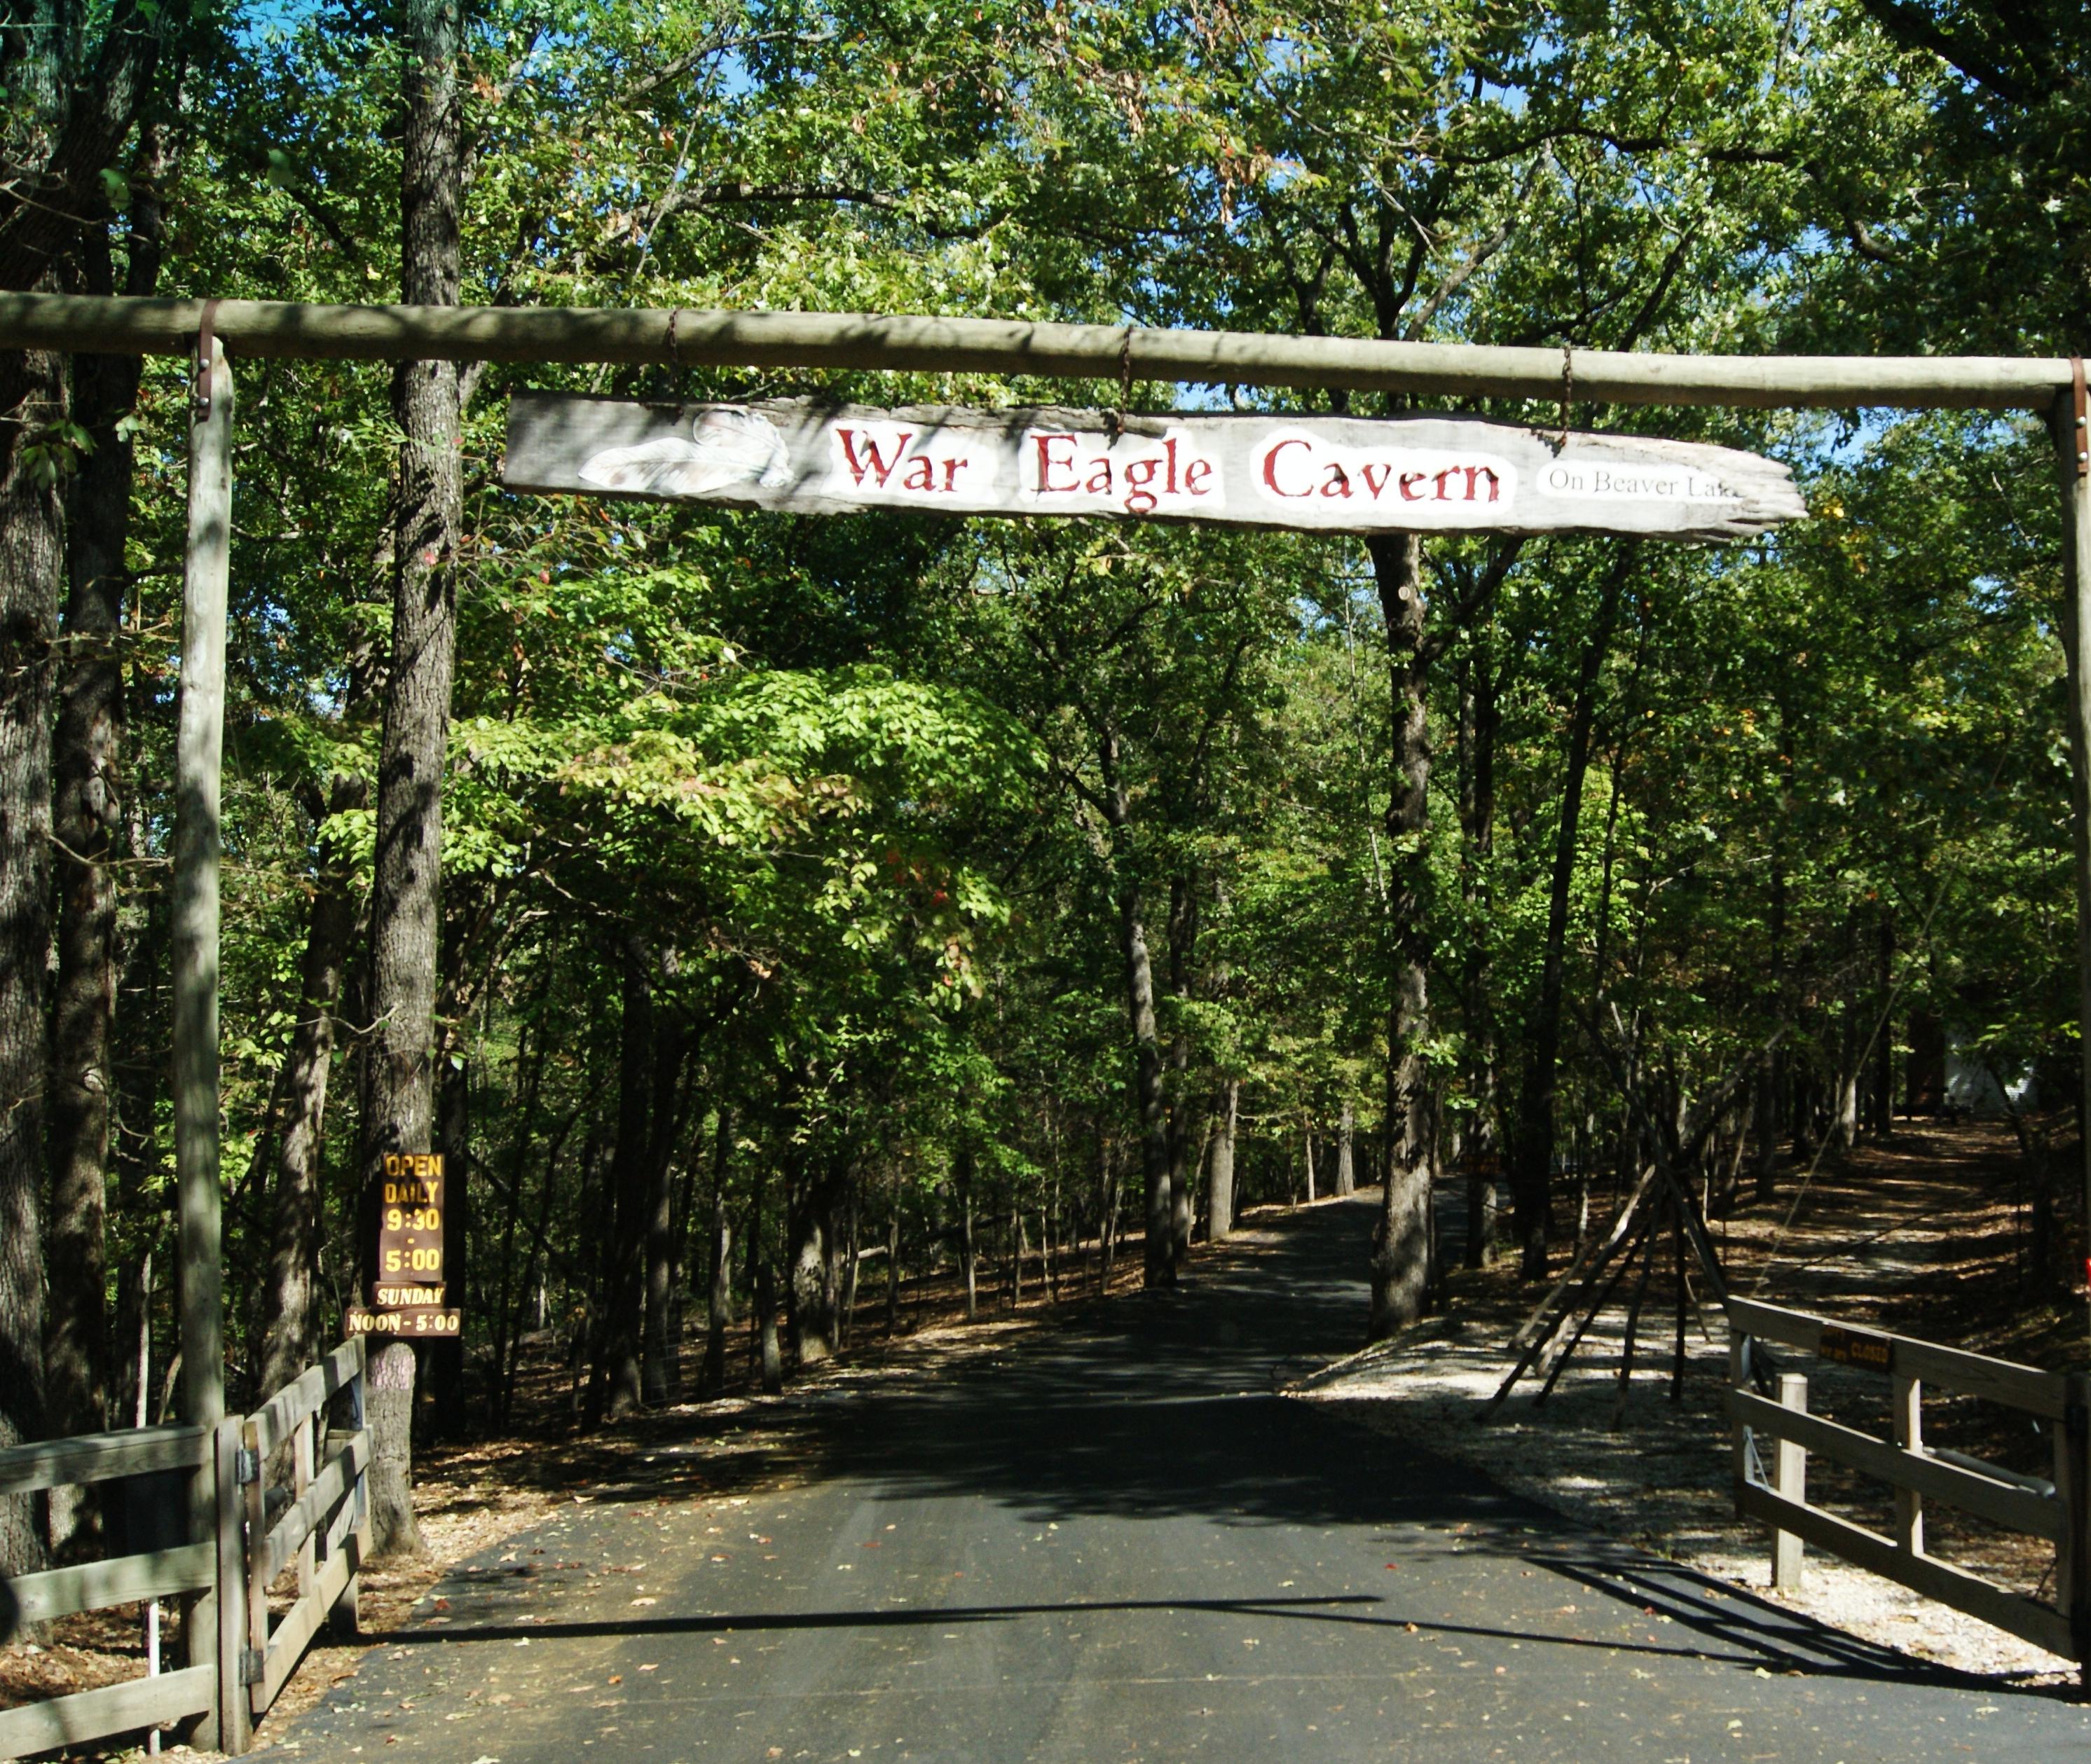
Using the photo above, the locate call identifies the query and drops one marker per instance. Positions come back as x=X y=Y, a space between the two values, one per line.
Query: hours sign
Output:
x=406 y=1289
x=1316 y=473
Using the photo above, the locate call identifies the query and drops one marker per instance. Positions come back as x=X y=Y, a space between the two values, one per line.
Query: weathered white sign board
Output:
x=1318 y=473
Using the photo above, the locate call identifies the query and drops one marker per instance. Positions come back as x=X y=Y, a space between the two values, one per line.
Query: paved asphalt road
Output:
x=1112 y=1542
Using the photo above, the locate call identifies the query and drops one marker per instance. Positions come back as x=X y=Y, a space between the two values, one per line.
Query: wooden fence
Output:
x=1776 y=1493
x=180 y=1480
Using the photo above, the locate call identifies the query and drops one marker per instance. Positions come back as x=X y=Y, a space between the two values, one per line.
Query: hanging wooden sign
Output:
x=1314 y=473
x=406 y=1287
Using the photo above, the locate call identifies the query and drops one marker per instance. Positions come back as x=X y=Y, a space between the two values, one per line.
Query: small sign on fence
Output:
x=1855 y=1347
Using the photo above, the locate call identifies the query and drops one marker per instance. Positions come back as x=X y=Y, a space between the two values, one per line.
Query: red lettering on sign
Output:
x=921 y=473
x=874 y=461
x=1138 y=475
x=1047 y=464
x=1270 y=470
x=1169 y=451
x=1495 y=483
x=952 y=468
x=1100 y=479
x=1375 y=485
x=1337 y=482
x=1408 y=478
x=1195 y=476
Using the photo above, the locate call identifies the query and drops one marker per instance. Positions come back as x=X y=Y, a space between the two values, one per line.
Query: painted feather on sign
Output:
x=732 y=446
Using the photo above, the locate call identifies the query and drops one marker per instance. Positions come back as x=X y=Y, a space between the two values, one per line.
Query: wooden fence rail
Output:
x=237 y=1663
x=2054 y=1511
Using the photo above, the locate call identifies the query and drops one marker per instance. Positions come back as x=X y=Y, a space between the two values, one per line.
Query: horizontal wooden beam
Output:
x=2001 y=1503
x=900 y=343
x=297 y=1401
x=2025 y=1618
x=95 y=1715
x=333 y=1484
x=102 y=1457
x=124 y=1580
x=294 y=1634
x=1973 y=1375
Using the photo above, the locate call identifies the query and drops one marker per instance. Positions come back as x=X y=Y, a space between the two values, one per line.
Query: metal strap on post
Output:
x=2079 y=430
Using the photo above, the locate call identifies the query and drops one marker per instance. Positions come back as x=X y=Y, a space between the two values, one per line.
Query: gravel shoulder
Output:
x=1921 y=1236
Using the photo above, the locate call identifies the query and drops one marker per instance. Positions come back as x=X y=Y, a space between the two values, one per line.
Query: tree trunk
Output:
x=1182 y=1126
x=893 y=1269
x=389 y=1410
x=816 y=1240
x=87 y=821
x=1347 y=1168
x=613 y=1385
x=1159 y=1210
x=1480 y=720
x=1159 y=1247
x=771 y=1351
x=288 y=1338
x=1880 y=1112
x=964 y=1176
x=1220 y=1184
x=662 y=1363
x=718 y=1309
x=1400 y=1266
x=443 y=1361
x=1533 y=1157
x=32 y=560
x=398 y=1098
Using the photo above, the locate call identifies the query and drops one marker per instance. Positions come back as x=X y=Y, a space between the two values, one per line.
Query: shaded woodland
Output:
x=763 y=913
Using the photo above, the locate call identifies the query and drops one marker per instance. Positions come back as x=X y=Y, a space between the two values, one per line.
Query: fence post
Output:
x=346 y=1621
x=1909 y=1434
x=1739 y=1378
x=1791 y=1483
x=234 y=1728
x=2072 y=1488
x=255 y=1646
x=301 y=1479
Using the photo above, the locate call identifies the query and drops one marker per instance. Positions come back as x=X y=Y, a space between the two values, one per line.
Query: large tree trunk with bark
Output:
x=87 y=817
x=398 y=1100
x=1531 y=1165
x=32 y=562
x=816 y=1241
x=1401 y=1240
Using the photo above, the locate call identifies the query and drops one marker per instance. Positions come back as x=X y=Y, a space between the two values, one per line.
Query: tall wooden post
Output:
x=2072 y=443
x=199 y=743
